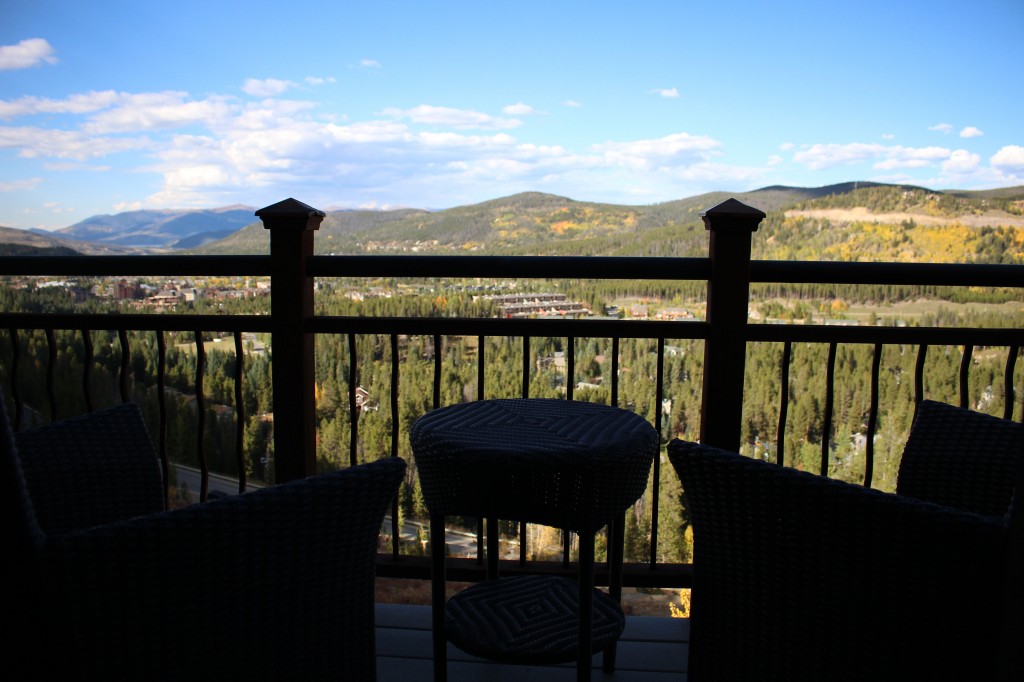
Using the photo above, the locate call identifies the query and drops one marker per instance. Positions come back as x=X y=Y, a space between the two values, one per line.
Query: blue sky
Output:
x=110 y=106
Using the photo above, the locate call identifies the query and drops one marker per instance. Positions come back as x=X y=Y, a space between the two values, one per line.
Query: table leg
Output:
x=616 y=555
x=437 y=597
x=586 y=605
x=492 y=548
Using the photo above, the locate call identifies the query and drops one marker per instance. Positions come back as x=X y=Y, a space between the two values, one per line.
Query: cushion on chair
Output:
x=92 y=469
x=960 y=458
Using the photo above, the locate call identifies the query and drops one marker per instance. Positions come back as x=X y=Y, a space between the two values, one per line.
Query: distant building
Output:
x=364 y=402
x=537 y=305
x=78 y=294
x=638 y=312
x=125 y=291
x=673 y=314
x=165 y=298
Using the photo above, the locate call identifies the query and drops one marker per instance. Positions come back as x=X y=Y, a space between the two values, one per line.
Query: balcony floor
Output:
x=651 y=649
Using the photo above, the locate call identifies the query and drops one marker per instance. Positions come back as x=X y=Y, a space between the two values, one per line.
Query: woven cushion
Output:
x=962 y=459
x=91 y=469
x=528 y=619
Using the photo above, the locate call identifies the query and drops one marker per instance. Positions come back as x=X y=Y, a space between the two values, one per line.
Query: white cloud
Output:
x=56 y=208
x=82 y=103
x=369 y=63
x=1009 y=159
x=666 y=92
x=571 y=103
x=820 y=156
x=679 y=149
x=63 y=166
x=123 y=206
x=317 y=80
x=888 y=136
x=20 y=185
x=971 y=131
x=960 y=162
x=886 y=157
x=454 y=118
x=156 y=111
x=946 y=128
x=64 y=144
x=26 y=54
x=216 y=150
x=388 y=161
x=269 y=87
x=519 y=109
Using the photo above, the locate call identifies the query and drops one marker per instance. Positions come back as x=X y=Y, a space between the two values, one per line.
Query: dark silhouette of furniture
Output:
x=558 y=463
x=274 y=584
x=798 y=577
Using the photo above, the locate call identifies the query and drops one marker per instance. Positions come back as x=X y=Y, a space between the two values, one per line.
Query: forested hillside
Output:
x=853 y=221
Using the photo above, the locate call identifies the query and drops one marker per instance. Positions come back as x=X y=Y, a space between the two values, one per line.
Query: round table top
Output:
x=533 y=459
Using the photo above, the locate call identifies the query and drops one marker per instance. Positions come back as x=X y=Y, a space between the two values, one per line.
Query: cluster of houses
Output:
x=537 y=305
x=170 y=294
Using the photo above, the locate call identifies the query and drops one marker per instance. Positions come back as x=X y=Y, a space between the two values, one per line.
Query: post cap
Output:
x=732 y=215
x=290 y=212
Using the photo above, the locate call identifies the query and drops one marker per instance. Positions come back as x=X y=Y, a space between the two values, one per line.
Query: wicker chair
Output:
x=798 y=577
x=273 y=584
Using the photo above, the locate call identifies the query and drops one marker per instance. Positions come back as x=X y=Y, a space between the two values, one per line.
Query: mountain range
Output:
x=534 y=223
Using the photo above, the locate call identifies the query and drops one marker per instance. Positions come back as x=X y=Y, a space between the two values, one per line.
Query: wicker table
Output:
x=572 y=465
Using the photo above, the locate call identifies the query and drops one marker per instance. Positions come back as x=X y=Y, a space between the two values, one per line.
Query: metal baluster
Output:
x=204 y=487
x=965 y=366
x=353 y=408
x=87 y=369
x=922 y=352
x=437 y=371
x=395 y=528
x=51 y=392
x=122 y=337
x=239 y=413
x=570 y=385
x=826 y=427
x=869 y=463
x=161 y=387
x=15 y=393
x=526 y=366
x=780 y=437
x=615 y=371
x=525 y=394
x=659 y=397
x=1011 y=361
x=480 y=366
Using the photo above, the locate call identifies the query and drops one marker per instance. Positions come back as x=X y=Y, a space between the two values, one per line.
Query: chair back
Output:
x=799 y=578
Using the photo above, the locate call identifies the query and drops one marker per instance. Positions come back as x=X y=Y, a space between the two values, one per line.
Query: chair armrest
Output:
x=824 y=580
x=273 y=584
x=90 y=470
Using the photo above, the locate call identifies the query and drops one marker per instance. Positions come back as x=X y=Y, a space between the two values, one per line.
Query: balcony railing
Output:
x=726 y=334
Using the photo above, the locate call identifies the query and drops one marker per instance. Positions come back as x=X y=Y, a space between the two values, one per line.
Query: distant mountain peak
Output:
x=161 y=228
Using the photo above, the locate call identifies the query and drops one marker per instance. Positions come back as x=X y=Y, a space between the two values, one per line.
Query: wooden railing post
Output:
x=291 y=224
x=732 y=225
